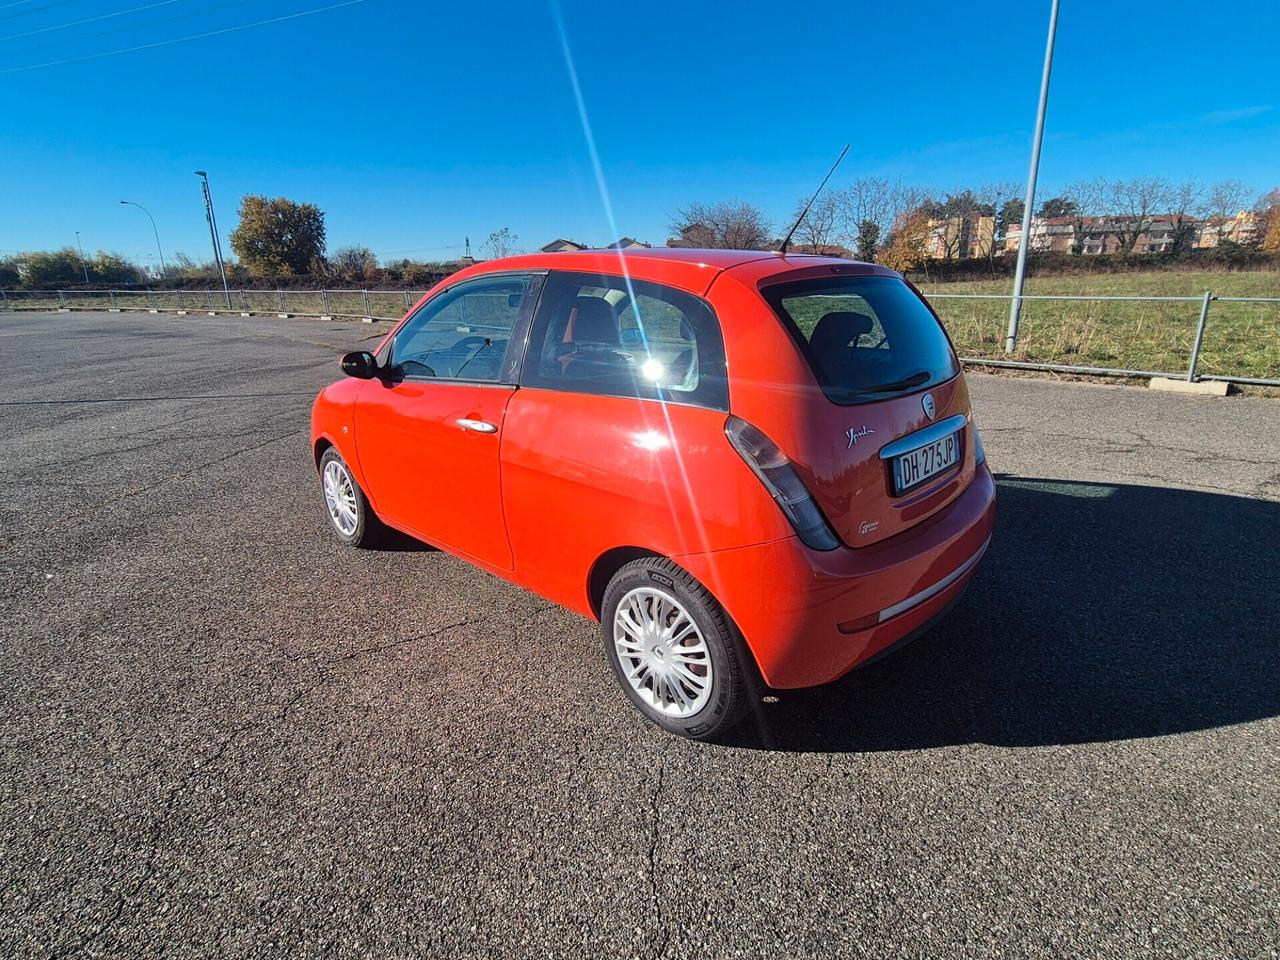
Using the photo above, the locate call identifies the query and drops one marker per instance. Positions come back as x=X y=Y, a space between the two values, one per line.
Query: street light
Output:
x=1015 y=307
x=83 y=265
x=163 y=271
x=213 y=233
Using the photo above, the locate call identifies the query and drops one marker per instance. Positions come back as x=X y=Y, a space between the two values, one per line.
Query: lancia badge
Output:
x=930 y=410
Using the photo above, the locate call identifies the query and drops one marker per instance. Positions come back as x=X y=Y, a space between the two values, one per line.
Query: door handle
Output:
x=479 y=426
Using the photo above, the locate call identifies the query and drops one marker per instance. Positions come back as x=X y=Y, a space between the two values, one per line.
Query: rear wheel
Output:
x=674 y=650
x=350 y=516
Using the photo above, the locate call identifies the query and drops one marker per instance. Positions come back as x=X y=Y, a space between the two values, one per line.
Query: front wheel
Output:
x=674 y=650
x=350 y=516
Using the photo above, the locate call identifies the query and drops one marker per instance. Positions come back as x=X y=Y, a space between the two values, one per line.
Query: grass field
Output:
x=1241 y=339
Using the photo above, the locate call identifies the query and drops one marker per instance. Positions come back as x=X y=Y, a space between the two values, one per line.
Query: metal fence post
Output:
x=209 y=299
x=1195 y=347
x=151 y=297
x=324 y=301
x=244 y=301
x=406 y=301
x=280 y=294
x=177 y=298
x=4 y=298
x=366 y=303
x=62 y=300
x=112 y=295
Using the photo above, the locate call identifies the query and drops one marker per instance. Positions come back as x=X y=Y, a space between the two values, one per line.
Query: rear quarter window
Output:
x=865 y=338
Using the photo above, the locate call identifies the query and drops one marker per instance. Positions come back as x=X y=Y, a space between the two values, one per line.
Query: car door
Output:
x=427 y=432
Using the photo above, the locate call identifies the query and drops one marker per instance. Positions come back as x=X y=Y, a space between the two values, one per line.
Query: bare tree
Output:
x=354 y=263
x=819 y=230
x=1184 y=198
x=727 y=225
x=1088 y=197
x=994 y=196
x=1132 y=205
x=1223 y=202
x=500 y=243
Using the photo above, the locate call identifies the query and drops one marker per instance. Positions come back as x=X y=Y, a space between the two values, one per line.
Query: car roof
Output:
x=686 y=268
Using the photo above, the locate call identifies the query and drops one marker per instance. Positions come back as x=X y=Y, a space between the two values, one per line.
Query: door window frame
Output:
x=711 y=398
x=509 y=369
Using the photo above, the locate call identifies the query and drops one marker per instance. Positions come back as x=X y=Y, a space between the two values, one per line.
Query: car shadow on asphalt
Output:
x=1101 y=612
x=393 y=541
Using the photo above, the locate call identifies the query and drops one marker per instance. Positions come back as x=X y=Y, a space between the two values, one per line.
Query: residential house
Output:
x=961 y=237
x=627 y=243
x=563 y=246
x=1241 y=228
x=1100 y=234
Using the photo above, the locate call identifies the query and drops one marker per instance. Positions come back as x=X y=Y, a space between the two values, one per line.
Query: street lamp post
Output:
x=1015 y=307
x=213 y=233
x=83 y=266
x=163 y=271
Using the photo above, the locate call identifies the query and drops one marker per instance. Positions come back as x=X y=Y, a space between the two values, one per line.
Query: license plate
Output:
x=923 y=463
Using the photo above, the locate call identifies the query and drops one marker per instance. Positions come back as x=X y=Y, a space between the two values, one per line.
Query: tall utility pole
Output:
x=83 y=265
x=1015 y=307
x=163 y=271
x=213 y=233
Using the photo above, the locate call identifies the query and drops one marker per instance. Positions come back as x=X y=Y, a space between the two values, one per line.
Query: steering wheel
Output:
x=419 y=368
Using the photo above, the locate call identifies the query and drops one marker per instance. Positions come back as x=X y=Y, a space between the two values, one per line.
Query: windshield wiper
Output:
x=906 y=383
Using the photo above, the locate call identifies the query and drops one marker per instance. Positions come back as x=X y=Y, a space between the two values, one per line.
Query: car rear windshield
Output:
x=866 y=338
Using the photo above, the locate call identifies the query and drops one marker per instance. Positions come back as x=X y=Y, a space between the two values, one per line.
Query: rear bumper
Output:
x=810 y=617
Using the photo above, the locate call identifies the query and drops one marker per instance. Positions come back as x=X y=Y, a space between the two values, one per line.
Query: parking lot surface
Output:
x=224 y=735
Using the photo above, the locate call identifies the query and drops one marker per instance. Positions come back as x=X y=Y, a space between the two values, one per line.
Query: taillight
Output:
x=783 y=483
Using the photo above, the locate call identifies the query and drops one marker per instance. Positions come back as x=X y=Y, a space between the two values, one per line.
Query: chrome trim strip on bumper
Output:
x=919 y=598
x=935 y=431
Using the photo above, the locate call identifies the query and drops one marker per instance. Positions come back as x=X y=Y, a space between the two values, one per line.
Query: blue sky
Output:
x=415 y=124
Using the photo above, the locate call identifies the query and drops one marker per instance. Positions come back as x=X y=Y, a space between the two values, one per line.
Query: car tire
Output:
x=351 y=518
x=660 y=665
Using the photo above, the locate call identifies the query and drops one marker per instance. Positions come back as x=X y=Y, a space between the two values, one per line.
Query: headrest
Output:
x=594 y=322
x=835 y=331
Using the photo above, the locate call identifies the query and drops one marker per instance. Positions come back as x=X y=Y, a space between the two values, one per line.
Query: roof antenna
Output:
x=805 y=212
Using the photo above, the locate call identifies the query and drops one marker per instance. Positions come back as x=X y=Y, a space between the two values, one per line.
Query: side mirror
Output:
x=360 y=364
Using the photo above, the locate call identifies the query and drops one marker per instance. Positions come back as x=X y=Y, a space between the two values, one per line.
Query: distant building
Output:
x=1241 y=228
x=1101 y=234
x=960 y=238
x=627 y=243
x=563 y=246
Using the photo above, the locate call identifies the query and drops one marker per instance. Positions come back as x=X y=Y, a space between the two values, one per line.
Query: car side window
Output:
x=626 y=338
x=463 y=333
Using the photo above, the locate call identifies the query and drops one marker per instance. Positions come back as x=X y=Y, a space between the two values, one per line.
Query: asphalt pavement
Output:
x=224 y=735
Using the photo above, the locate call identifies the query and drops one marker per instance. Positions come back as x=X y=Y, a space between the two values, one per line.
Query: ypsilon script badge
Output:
x=853 y=433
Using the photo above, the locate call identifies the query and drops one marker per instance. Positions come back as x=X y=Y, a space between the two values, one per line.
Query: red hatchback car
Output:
x=747 y=466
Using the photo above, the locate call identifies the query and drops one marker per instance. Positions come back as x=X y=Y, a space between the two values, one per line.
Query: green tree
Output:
x=53 y=268
x=868 y=237
x=112 y=268
x=1059 y=207
x=1010 y=212
x=278 y=237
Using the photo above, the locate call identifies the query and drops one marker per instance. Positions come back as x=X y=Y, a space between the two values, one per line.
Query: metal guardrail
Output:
x=362 y=304
x=393 y=304
x=1191 y=374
